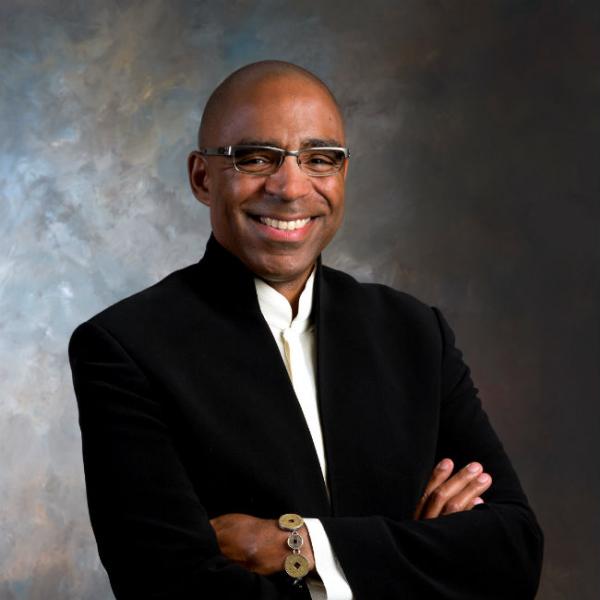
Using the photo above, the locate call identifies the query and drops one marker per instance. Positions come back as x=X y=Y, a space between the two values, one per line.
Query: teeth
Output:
x=284 y=225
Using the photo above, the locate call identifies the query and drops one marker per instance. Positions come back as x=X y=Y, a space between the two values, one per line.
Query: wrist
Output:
x=299 y=559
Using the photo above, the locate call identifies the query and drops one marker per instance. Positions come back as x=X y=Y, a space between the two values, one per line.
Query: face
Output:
x=247 y=211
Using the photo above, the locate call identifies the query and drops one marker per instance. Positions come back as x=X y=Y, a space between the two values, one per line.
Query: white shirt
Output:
x=296 y=342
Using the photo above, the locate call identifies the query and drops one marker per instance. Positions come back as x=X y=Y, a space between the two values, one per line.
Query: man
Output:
x=259 y=383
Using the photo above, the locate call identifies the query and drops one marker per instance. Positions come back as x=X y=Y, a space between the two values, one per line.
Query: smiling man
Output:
x=258 y=425
x=279 y=214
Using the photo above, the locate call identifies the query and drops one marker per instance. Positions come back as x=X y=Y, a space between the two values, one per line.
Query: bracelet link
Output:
x=296 y=564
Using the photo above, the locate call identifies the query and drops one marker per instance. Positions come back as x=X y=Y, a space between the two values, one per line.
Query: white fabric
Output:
x=334 y=586
x=296 y=342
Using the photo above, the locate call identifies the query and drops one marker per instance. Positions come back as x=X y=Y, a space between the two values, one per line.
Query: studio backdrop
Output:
x=473 y=184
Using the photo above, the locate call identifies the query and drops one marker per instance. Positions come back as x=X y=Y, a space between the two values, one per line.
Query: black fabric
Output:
x=187 y=412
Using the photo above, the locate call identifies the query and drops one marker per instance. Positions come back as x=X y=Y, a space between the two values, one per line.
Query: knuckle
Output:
x=453 y=507
x=439 y=495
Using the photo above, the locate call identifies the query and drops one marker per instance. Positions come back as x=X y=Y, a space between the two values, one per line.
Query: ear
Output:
x=345 y=167
x=198 y=176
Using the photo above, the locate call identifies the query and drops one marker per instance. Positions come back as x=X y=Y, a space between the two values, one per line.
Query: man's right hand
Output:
x=445 y=495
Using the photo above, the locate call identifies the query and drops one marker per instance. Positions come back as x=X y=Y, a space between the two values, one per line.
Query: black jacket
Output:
x=187 y=412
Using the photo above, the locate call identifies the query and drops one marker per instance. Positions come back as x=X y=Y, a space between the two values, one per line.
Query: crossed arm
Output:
x=260 y=546
x=155 y=538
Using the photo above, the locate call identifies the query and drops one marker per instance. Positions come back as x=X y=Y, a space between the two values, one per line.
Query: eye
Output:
x=322 y=161
x=255 y=159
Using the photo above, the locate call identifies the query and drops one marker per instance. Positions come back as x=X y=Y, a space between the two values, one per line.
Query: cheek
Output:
x=240 y=190
x=232 y=192
x=335 y=196
x=333 y=191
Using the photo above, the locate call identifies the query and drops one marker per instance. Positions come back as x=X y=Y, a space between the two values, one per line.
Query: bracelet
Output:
x=296 y=565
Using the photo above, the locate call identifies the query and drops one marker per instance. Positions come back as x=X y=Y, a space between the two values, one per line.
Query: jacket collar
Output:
x=232 y=291
x=233 y=282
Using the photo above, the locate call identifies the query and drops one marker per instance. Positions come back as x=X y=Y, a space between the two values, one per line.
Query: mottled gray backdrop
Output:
x=474 y=128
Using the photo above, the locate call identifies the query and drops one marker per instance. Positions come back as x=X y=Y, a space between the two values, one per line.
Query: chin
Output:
x=279 y=271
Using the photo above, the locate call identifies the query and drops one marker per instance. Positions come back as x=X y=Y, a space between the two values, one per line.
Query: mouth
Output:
x=284 y=224
x=284 y=230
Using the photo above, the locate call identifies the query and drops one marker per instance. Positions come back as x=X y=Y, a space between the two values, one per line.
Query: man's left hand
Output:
x=446 y=494
x=257 y=544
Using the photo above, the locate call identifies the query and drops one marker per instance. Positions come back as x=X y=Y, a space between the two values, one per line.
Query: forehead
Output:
x=287 y=110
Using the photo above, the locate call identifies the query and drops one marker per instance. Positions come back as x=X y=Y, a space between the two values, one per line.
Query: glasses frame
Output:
x=229 y=152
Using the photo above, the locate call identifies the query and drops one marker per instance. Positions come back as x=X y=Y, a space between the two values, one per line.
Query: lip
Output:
x=281 y=218
x=281 y=235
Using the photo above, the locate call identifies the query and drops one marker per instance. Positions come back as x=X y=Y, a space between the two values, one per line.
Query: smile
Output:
x=284 y=225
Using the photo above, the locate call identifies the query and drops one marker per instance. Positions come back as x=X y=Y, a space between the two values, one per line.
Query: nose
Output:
x=289 y=182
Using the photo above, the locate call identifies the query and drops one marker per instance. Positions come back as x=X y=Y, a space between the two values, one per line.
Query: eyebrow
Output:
x=256 y=142
x=307 y=143
x=322 y=143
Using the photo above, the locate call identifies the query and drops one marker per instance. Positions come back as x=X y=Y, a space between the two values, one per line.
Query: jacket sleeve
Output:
x=153 y=534
x=326 y=563
x=493 y=551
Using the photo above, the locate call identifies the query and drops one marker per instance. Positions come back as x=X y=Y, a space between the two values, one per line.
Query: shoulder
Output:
x=376 y=298
x=165 y=301
x=404 y=327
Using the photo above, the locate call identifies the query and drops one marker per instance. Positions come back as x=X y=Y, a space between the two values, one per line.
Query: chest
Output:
x=246 y=444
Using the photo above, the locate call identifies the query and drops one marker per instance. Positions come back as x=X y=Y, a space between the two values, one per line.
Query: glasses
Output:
x=266 y=160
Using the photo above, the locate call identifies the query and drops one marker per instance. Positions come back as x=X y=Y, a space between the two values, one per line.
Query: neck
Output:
x=291 y=290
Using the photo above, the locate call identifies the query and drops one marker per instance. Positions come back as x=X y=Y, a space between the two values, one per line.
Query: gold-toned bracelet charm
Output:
x=290 y=522
x=296 y=565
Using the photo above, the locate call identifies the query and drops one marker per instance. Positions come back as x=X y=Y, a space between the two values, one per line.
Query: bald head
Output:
x=243 y=82
x=279 y=105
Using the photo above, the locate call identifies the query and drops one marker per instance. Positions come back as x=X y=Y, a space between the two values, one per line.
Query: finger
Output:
x=219 y=523
x=446 y=491
x=442 y=471
x=464 y=500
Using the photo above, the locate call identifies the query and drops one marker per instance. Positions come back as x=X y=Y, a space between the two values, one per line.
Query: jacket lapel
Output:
x=363 y=397
x=269 y=407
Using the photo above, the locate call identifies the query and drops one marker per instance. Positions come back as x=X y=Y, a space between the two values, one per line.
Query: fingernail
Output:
x=473 y=467
x=483 y=478
x=444 y=465
x=477 y=501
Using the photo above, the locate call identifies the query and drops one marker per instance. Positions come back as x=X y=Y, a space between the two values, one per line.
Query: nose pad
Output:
x=289 y=181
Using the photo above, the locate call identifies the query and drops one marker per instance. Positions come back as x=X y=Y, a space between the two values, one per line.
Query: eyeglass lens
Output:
x=265 y=161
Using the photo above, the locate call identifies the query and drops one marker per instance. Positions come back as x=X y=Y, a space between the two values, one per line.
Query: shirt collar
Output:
x=276 y=309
